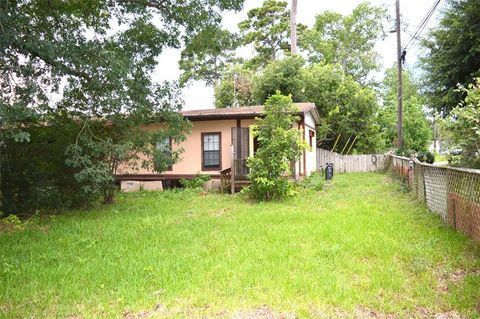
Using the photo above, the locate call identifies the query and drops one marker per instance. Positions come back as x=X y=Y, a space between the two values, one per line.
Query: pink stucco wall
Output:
x=191 y=158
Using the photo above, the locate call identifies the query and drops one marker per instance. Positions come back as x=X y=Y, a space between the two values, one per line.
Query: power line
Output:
x=423 y=24
x=419 y=30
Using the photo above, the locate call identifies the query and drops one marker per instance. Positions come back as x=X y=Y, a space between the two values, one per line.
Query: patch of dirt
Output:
x=425 y=313
x=263 y=312
x=218 y=212
x=367 y=313
x=189 y=214
x=156 y=311
x=5 y=308
x=454 y=277
x=449 y=315
x=362 y=312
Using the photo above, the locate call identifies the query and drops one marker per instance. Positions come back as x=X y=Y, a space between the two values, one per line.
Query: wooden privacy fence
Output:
x=351 y=163
x=452 y=193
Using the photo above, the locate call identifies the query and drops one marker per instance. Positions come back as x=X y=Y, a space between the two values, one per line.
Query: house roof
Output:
x=243 y=112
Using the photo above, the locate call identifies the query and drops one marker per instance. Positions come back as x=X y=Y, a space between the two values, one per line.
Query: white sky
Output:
x=199 y=96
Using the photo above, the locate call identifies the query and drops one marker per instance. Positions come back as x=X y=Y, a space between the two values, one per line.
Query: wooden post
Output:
x=346 y=144
x=232 y=173
x=351 y=145
x=336 y=141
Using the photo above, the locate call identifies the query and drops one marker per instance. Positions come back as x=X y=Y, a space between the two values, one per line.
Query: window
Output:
x=256 y=145
x=164 y=146
x=211 y=151
x=311 y=135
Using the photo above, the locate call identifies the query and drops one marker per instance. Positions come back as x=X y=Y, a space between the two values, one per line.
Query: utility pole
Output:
x=400 y=80
x=293 y=28
x=435 y=135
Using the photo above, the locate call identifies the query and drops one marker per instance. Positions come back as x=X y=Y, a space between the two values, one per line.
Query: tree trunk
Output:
x=108 y=194
x=293 y=28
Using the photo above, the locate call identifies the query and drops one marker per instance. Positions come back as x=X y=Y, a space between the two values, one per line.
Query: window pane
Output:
x=211 y=142
x=211 y=158
x=211 y=150
x=163 y=145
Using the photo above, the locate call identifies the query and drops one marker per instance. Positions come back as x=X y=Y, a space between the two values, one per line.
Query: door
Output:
x=241 y=147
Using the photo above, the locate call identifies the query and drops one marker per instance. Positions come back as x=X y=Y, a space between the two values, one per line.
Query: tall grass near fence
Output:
x=452 y=193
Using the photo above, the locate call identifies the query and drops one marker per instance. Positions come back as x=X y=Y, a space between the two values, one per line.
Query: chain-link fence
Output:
x=452 y=193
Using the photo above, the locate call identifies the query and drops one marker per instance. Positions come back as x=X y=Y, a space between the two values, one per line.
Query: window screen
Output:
x=165 y=148
x=311 y=134
x=164 y=145
x=211 y=150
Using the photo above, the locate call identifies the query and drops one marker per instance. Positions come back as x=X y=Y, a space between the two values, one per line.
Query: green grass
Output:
x=440 y=157
x=358 y=245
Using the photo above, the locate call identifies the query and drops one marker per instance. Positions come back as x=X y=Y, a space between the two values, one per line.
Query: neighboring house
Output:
x=215 y=134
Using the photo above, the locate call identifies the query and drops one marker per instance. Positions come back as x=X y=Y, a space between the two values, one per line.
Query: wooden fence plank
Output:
x=350 y=163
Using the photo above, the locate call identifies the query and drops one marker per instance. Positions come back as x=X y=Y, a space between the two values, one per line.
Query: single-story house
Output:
x=215 y=134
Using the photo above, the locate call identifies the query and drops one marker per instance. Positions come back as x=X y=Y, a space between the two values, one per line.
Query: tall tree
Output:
x=463 y=124
x=453 y=54
x=99 y=76
x=417 y=131
x=235 y=88
x=286 y=76
x=347 y=109
x=345 y=106
x=267 y=28
x=347 y=40
x=208 y=55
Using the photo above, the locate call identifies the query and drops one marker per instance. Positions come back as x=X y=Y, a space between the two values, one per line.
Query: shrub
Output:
x=279 y=146
x=12 y=221
x=315 y=181
x=196 y=182
x=426 y=157
x=34 y=174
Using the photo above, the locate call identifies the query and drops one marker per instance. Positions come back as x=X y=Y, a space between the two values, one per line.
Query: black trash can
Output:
x=328 y=171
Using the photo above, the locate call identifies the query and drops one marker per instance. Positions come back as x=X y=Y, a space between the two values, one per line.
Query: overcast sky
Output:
x=199 y=96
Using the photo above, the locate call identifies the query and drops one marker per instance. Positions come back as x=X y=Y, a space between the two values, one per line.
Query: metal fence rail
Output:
x=452 y=193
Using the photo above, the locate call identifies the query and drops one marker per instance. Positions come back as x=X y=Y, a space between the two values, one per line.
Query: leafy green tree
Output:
x=101 y=76
x=347 y=40
x=464 y=125
x=235 y=88
x=346 y=108
x=267 y=28
x=453 y=54
x=280 y=145
x=285 y=75
x=208 y=56
x=417 y=132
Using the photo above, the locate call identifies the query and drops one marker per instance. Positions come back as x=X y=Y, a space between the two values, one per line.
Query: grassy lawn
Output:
x=440 y=157
x=359 y=248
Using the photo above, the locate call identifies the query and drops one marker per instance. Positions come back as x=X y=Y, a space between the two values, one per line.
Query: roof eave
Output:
x=209 y=117
x=315 y=114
